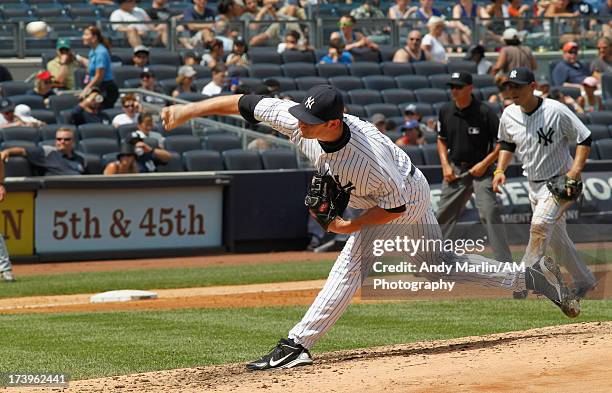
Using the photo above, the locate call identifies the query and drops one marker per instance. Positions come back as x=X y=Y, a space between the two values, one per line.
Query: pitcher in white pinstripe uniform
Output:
x=388 y=188
x=539 y=130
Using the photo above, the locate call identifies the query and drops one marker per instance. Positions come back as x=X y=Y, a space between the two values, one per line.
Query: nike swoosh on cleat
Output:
x=274 y=364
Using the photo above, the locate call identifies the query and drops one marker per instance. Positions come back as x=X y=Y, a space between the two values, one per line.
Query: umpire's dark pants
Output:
x=452 y=203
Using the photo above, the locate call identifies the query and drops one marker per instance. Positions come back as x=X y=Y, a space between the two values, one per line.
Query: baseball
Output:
x=38 y=29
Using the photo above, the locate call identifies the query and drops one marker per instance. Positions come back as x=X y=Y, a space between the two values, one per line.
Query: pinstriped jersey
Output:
x=543 y=137
x=369 y=161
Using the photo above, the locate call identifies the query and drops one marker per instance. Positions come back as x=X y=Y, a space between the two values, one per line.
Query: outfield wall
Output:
x=139 y=216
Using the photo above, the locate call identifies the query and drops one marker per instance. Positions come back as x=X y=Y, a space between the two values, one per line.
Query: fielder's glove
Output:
x=326 y=199
x=565 y=188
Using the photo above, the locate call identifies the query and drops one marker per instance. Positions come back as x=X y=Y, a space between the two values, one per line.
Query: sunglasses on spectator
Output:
x=63 y=139
x=573 y=52
x=129 y=105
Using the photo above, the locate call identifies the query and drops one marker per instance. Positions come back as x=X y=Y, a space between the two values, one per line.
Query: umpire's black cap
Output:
x=520 y=76
x=321 y=104
x=460 y=79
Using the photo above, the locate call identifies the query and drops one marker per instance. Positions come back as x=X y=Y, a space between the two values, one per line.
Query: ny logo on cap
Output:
x=309 y=102
x=455 y=75
x=513 y=74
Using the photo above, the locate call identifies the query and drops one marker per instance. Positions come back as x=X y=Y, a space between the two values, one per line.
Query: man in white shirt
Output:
x=216 y=84
x=128 y=12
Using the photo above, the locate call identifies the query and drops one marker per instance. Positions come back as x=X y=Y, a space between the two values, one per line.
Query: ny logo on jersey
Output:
x=348 y=187
x=309 y=102
x=545 y=136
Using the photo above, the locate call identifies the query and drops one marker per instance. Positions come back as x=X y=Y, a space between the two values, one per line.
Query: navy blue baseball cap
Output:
x=520 y=76
x=6 y=105
x=321 y=104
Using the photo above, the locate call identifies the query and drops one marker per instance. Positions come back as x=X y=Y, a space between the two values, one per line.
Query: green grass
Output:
x=73 y=283
x=88 y=345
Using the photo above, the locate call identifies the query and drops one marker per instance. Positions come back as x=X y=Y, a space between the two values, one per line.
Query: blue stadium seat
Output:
x=17 y=167
x=182 y=143
x=157 y=56
x=174 y=165
x=14 y=88
x=603 y=117
x=412 y=82
x=293 y=56
x=356 y=110
x=264 y=70
x=396 y=69
x=488 y=91
x=429 y=68
x=386 y=52
x=397 y=96
x=365 y=54
x=328 y=70
x=439 y=81
x=483 y=80
x=415 y=153
x=365 y=97
x=48 y=131
x=279 y=159
x=240 y=160
x=33 y=101
x=294 y=70
x=298 y=95
x=267 y=57
x=96 y=130
x=306 y=82
x=573 y=92
x=20 y=134
x=167 y=85
x=604 y=148
x=17 y=143
x=201 y=71
x=125 y=130
x=430 y=154
x=599 y=131
x=163 y=71
x=221 y=142
x=389 y=110
x=202 y=160
x=58 y=103
x=192 y=97
x=365 y=69
x=98 y=146
x=606 y=85
x=431 y=96
x=461 y=66
x=346 y=83
x=379 y=82
x=44 y=115
x=125 y=72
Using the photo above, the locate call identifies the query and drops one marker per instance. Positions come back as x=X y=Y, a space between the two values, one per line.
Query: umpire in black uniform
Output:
x=468 y=148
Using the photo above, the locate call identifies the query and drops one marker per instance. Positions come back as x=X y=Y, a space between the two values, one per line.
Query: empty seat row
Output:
x=194 y=160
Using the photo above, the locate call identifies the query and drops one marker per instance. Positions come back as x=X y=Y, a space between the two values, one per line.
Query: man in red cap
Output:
x=570 y=72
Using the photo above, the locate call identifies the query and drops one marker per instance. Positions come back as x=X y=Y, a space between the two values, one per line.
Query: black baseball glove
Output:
x=326 y=199
x=565 y=188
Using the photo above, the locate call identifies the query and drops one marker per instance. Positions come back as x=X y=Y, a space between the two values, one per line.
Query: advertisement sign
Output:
x=128 y=219
x=17 y=222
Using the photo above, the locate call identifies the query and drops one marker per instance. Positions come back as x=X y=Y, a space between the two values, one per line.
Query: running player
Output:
x=539 y=131
x=387 y=187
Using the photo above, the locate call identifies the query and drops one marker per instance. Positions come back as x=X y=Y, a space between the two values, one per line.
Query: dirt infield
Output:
x=552 y=359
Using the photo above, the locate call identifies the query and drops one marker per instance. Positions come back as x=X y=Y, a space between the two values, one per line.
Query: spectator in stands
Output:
x=568 y=100
x=229 y=10
x=605 y=9
x=513 y=55
x=350 y=38
x=58 y=160
x=147 y=157
x=464 y=14
x=5 y=74
x=502 y=97
x=102 y=2
x=184 y=81
x=215 y=86
x=215 y=54
x=411 y=52
x=140 y=57
x=89 y=109
x=401 y=10
x=190 y=58
x=239 y=55
x=43 y=86
x=603 y=62
x=274 y=33
x=7 y=114
x=477 y=55
x=570 y=72
x=98 y=64
x=258 y=144
x=430 y=44
x=370 y=9
x=254 y=13
x=197 y=18
x=426 y=11
x=411 y=134
x=145 y=126
x=125 y=162
x=291 y=42
x=131 y=110
x=148 y=82
x=543 y=89
x=337 y=53
x=411 y=113
x=63 y=65
x=24 y=114
x=378 y=119
x=588 y=101
x=134 y=31
x=159 y=11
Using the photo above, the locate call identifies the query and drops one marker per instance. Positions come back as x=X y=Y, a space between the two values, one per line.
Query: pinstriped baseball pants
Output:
x=548 y=227
x=5 y=262
x=347 y=274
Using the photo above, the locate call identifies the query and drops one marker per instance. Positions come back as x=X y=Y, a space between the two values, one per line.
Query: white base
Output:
x=123 y=295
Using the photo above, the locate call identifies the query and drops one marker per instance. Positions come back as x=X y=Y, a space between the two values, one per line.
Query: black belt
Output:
x=412 y=170
x=538 y=181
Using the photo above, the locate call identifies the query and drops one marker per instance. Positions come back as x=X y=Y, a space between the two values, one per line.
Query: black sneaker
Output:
x=286 y=354
x=544 y=278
